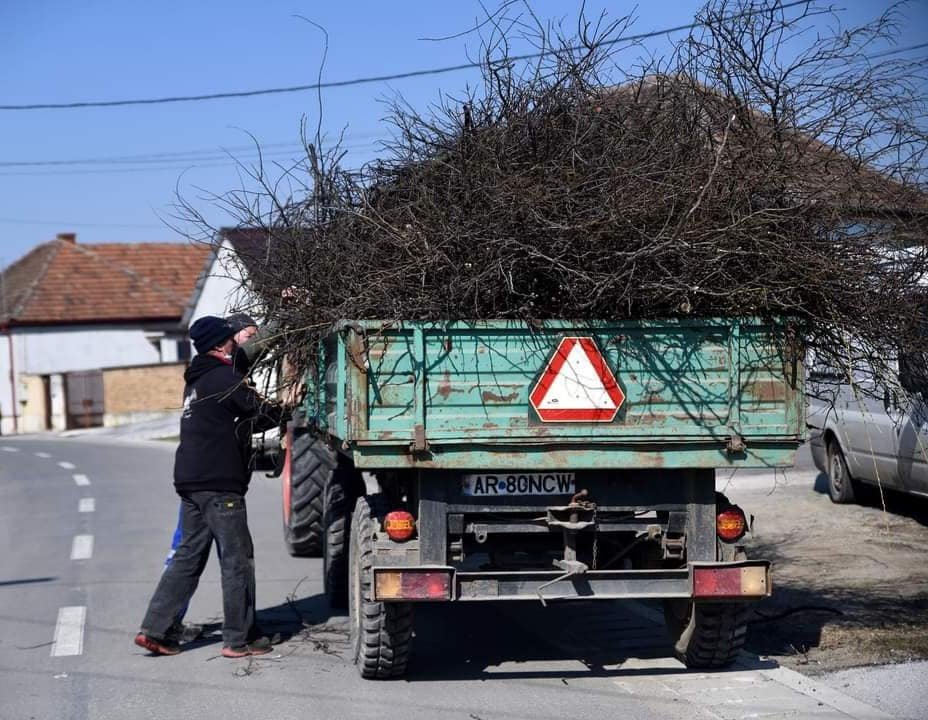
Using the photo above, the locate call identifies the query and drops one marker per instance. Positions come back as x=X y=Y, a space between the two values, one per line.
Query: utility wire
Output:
x=213 y=156
x=65 y=223
x=120 y=170
x=199 y=165
x=220 y=158
x=193 y=165
x=896 y=51
x=146 y=157
x=371 y=79
x=173 y=163
x=180 y=155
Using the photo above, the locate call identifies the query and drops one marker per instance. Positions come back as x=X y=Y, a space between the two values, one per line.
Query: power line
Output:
x=143 y=158
x=67 y=223
x=174 y=163
x=121 y=170
x=365 y=80
x=47 y=168
x=193 y=165
x=179 y=155
x=896 y=51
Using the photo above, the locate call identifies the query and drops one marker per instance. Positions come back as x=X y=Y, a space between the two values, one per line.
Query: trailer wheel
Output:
x=708 y=634
x=344 y=488
x=308 y=465
x=381 y=633
x=840 y=482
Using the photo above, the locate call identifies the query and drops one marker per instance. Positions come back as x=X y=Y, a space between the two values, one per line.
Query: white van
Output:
x=865 y=435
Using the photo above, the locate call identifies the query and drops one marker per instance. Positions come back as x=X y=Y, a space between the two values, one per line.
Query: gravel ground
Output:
x=850 y=581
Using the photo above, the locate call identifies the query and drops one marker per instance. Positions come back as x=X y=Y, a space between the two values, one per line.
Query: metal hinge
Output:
x=673 y=543
x=419 y=442
x=735 y=443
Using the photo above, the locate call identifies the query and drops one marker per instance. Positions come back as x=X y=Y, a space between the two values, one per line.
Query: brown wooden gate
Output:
x=84 y=393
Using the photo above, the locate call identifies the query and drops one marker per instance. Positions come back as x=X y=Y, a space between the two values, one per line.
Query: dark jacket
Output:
x=216 y=400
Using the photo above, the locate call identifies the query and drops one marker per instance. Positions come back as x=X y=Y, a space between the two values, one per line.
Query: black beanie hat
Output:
x=210 y=331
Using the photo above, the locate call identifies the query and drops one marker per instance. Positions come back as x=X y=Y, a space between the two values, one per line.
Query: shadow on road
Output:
x=294 y=614
x=294 y=619
x=500 y=641
x=490 y=641
x=26 y=581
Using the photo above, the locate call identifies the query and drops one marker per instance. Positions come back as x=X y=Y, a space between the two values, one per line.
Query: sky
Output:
x=78 y=50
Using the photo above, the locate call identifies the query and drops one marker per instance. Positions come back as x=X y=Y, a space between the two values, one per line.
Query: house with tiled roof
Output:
x=72 y=312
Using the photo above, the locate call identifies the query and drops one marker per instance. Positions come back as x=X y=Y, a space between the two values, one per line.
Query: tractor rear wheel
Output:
x=308 y=465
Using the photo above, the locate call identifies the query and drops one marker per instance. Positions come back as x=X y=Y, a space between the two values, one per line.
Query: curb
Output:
x=805 y=685
x=784 y=676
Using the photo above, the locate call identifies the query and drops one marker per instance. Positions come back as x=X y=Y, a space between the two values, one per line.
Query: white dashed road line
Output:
x=86 y=505
x=81 y=480
x=66 y=465
x=9 y=448
x=82 y=547
x=69 y=631
x=43 y=454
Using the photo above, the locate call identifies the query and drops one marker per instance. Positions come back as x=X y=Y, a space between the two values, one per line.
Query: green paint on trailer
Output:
x=455 y=395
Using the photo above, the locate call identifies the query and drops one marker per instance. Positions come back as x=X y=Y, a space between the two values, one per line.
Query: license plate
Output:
x=500 y=484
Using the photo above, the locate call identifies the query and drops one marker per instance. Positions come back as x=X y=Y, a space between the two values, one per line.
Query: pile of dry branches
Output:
x=756 y=170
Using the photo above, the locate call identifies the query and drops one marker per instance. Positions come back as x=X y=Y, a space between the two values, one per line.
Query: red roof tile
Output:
x=65 y=282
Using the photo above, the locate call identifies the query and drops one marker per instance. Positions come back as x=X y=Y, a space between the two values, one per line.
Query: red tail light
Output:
x=730 y=524
x=731 y=582
x=399 y=525
x=392 y=584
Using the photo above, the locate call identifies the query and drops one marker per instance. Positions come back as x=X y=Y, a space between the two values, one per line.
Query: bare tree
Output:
x=759 y=168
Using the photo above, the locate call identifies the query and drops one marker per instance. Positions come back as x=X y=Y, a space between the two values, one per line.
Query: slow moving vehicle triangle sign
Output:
x=577 y=385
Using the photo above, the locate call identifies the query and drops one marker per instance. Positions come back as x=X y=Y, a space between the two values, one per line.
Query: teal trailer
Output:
x=547 y=461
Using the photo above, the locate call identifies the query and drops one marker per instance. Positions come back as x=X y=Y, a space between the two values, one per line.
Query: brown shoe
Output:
x=259 y=646
x=155 y=646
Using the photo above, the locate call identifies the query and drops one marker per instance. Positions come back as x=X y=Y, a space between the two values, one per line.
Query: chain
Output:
x=595 y=540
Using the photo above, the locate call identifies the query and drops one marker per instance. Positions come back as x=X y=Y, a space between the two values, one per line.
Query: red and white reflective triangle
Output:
x=577 y=385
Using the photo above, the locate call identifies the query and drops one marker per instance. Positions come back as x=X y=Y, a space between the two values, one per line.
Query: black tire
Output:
x=840 y=482
x=312 y=464
x=708 y=635
x=381 y=633
x=345 y=487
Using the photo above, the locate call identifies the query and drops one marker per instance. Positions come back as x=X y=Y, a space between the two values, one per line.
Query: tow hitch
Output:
x=579 y=515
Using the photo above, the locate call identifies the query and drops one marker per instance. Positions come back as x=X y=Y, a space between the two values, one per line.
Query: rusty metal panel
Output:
x=84 y=394
x=722 y=392
x=582 y=455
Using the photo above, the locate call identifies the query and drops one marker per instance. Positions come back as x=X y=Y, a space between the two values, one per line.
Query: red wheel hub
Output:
x=285 y=476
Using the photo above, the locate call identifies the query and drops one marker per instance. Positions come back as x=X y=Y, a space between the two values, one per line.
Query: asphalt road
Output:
x=75 y=578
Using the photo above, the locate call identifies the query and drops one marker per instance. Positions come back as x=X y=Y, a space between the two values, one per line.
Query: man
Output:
x=211 y=479
x=245 y=354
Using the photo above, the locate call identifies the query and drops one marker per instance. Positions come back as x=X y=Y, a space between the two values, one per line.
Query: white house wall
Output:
x=62 y=349
x=223 y=288
x=6 y=392
x=43 y=351
x=225 y=291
